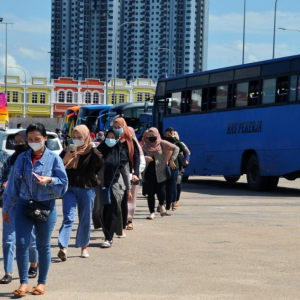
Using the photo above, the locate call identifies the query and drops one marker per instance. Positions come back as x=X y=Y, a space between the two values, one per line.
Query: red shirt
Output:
x=35 y=158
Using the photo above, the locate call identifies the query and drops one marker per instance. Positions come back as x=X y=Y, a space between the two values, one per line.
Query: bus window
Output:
x=282 y=89
x=212 y=98
x=175 y=103
x=269 y=90
x=204 y=99
x=298 y=89
x=253 y=93
x=222 y=94
x=241 y=94
x=196 y=100
x=293 y=88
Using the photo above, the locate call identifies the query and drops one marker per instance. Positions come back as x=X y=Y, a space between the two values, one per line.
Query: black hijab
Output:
x=19 y=148
x=115 y=158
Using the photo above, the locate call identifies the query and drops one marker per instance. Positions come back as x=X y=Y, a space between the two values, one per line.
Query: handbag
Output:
x=35 y=209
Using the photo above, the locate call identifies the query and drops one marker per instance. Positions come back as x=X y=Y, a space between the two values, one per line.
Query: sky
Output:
x=29 y=36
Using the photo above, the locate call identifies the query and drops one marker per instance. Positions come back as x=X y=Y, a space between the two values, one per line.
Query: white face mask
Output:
x=78 y=143
x=37 y=146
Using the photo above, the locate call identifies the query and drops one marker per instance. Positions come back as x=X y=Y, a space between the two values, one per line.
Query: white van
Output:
x=7 y=146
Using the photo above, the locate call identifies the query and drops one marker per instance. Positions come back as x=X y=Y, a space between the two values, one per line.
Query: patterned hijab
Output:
x=82 y=150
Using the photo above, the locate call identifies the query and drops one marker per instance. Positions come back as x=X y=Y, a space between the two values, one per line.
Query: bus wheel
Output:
x=185 y=178
x=232 y=179
x=256 y=182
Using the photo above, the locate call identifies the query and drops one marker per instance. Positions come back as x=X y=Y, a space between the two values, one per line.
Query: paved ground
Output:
x=224 y=242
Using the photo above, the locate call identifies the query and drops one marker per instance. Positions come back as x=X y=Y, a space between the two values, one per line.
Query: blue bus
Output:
x=93 y=116
x=237 y=120
x=138 y=115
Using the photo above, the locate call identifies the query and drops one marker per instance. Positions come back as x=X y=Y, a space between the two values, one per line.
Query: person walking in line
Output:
x=8 y=230
x=114 y=174
x=135 y=187
x=100 y=137
x=158 y=154
x=38 y=175
x=171 y=184
x=131 y=148
x=81 y=168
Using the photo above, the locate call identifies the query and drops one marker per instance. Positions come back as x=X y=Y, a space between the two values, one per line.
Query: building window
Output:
x=139 y=96
x=96 y=98
x=15 y=96
x=121 y=98
x=69 y=97
x=61 y=96
x=113 y=99
x=8 y=96
x=43 y=98
x=88 y=98
x=34 y=97
x=147 y=96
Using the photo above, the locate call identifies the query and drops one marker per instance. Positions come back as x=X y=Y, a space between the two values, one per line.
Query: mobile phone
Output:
x=135 y=182
x=73 y=148
x=36 y=176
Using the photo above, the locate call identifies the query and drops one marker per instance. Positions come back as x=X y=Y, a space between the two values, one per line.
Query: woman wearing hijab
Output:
x=8 y=230
x=158 y=154
x=81 y=168
x=130 y=146
x=135 y=187
x=115 y=174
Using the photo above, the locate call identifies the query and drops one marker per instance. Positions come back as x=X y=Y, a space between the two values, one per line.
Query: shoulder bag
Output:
x=168 y=168
x=35 y=209
x=105 y=193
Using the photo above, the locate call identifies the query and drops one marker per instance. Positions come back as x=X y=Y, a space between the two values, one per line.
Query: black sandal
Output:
x=6 y=279
x=32 y=272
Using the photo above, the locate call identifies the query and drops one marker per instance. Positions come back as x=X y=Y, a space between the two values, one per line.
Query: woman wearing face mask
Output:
x=158 y=154
x=8 y=230
x=131 y=149
x=48 y=183
x=115 y=174
x=80 y=166
x=171 y=183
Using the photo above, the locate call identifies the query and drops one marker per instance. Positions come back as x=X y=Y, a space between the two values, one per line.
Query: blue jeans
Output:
x=84 y=199
x=171 y=189
x=43 y=232
x=9 y=244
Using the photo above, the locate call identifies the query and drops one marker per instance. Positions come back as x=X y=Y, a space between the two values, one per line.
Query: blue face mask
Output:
x=110 y=142
x=100 y=137
x=119 y=131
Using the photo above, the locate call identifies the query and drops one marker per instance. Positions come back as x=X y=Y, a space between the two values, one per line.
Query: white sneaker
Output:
x=106 y=244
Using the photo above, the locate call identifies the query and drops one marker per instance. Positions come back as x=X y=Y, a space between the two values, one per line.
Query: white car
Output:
x=7 y=146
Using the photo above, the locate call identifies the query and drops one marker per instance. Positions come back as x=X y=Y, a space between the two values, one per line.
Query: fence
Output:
x=49 y=123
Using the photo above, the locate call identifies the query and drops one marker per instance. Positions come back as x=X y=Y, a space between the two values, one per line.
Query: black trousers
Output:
x=178 y=191
x=124 y=207
x=154 y=187
x=110 y=218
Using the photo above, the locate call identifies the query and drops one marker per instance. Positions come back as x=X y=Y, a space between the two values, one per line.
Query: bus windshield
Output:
x=237 y=120
x=131 y=112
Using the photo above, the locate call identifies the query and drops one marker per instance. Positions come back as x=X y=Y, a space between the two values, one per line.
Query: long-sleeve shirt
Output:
x=5 y=171
x=22 y=183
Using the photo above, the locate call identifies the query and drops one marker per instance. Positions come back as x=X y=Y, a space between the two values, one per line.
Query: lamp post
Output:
x=24 y=112
x=87 y=71
x=289 y=29
x=244 y=28
x=174 y=57
x=115 y=50
x=2 y=23
x=275 y=15
x=107 y=15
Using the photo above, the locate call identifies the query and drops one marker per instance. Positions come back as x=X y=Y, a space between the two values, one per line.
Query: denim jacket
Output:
x=50 y=165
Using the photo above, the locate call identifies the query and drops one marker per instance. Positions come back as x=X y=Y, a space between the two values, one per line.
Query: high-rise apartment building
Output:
x=152 y=39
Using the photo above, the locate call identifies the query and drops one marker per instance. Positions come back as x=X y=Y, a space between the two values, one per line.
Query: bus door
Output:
x=102 y=119
x=159 y=110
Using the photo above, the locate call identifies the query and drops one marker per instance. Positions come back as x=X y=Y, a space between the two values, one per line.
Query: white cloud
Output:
x=12 y=62
x=230 y=54
x=35 y=55
x=256 y=22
